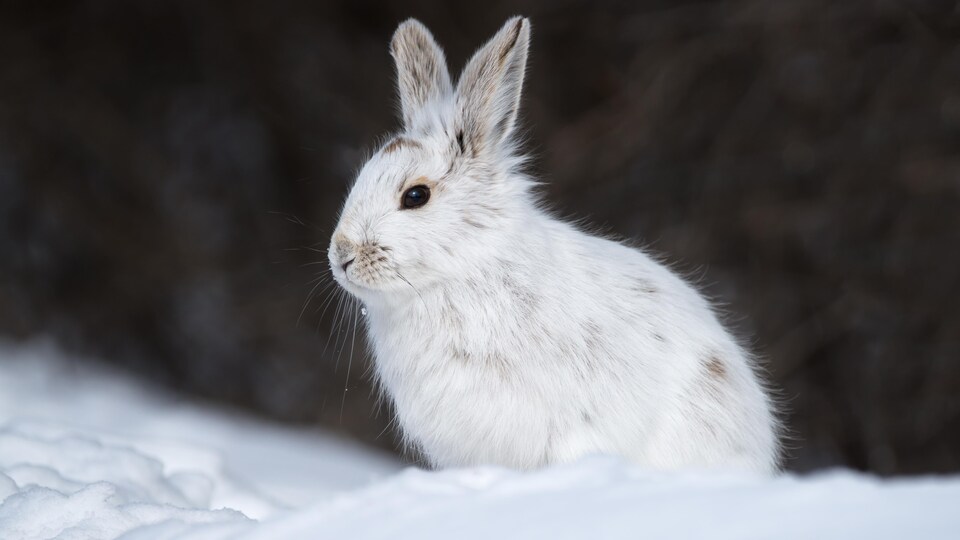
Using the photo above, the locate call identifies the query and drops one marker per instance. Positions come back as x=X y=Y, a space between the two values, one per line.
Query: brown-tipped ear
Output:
x=422 y=74
x=488 y=93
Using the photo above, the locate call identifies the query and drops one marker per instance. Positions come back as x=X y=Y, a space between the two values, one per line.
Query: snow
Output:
x=86 y=452
x=605 y=498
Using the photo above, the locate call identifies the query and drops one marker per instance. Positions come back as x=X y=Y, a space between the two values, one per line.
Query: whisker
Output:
x=340 y=331
x=326 y=303
x=353 y=343
x=296 y=220
x=333 y=324
x=405 y=280
x=315 y=279
x=315 y=250
x=388 y=426
x=310 y=297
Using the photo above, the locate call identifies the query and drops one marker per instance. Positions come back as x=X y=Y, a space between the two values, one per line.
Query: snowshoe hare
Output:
x=505 y=336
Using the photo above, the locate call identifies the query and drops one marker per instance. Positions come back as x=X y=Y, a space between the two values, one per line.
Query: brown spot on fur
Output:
x=659 y=337
x=472 y=223
x=418 y=181
x=645 y=287
x=450 y=315
x=397 y=142
x=716 y=368
x=525 y=298
x=495 y=361
x=490 y=211
x=593 y=336
x=500 y=363
x=460 y=355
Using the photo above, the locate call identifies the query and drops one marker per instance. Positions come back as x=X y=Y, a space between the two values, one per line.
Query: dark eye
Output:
x=415 y=197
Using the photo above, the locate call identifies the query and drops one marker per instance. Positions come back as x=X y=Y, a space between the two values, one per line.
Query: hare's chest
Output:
x=464 y=401
x=458 y=420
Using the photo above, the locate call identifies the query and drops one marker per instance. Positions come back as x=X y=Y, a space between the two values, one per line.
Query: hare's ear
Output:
x=488 y=93
x=422 y=75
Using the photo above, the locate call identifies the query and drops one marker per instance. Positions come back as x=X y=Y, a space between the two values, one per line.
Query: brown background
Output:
x=798 y=159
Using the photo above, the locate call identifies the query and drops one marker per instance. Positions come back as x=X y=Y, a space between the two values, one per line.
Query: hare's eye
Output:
x=415 y=197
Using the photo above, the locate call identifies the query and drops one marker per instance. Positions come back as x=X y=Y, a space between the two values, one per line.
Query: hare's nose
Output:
x=342 y=252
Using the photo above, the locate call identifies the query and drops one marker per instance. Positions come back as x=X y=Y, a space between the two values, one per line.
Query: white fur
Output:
x=505 y=336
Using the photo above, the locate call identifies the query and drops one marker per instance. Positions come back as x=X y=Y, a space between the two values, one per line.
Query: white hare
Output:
x=506 y=336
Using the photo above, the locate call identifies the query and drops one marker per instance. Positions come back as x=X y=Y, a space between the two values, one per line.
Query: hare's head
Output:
x=444 y=194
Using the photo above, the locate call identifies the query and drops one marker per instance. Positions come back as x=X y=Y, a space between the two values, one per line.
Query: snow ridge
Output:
x=86 y=453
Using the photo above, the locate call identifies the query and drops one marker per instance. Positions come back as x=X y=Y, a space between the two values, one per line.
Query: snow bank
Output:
x=288 y=466
x=87 y=453
x=604 y=498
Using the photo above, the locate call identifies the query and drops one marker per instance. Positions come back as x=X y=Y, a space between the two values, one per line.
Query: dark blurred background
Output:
x=168 y=168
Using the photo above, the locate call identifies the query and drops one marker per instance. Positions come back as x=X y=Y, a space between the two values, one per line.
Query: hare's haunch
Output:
x=506 y=336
